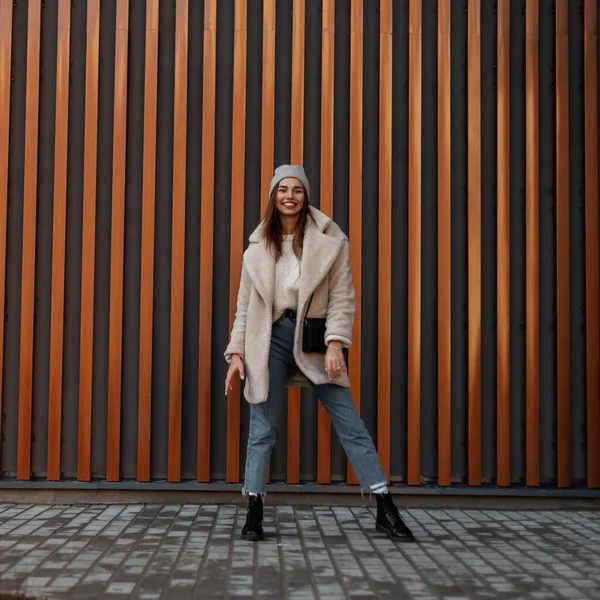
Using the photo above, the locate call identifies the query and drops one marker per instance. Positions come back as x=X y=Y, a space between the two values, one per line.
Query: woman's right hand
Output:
x=235 y=366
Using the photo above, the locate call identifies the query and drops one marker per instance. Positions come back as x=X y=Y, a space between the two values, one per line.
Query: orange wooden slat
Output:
x=147 y=260
x=268 y=102
x=6 y=7
x=503 y=246
x=355 y=234
x=327 y=129
x=324 y=446
x=88 y=244
x=59 y=240
x=29 y=239
x=414 y=241
x=293 y=436
x=206 y=237
x=444 y=249
x=296 y=154
x=591 y=242
x=178 y=239
x=238 y=140
x=563 y=284
x=327 y=104
x=532 y=245
x=297 y=108
x=384 y=325
x=474 y=242
x=117 y=245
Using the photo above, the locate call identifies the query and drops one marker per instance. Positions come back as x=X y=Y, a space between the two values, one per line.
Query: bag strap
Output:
x=309 y=303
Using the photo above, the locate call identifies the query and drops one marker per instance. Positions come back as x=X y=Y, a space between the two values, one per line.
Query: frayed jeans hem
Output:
x=246 y=492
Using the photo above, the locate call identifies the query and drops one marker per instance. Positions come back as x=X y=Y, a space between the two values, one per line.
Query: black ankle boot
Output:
x=253 y=530
x=389 y=520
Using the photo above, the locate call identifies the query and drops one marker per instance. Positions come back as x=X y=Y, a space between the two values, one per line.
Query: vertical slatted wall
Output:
x=455 y=142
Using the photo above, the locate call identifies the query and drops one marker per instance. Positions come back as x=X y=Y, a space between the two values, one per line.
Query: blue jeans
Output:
x=338 y=402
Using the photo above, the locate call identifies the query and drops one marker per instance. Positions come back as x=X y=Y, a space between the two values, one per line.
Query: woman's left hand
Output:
x=335 y=365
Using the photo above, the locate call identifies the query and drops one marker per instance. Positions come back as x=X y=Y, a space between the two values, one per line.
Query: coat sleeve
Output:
x=238 y=332
x=341 y=308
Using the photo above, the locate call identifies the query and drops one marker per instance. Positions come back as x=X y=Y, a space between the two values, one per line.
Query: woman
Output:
x=298 y=259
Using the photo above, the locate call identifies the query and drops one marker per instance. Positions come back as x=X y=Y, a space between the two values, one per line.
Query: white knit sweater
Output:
x=287 y=278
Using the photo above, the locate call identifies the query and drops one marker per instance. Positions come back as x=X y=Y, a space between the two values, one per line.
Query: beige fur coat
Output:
x=325 y=271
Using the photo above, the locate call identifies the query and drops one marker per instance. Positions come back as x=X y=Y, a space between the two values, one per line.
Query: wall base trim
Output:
x=163 y=492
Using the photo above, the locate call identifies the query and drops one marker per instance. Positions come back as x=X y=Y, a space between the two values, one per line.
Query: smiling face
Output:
x=290 y=197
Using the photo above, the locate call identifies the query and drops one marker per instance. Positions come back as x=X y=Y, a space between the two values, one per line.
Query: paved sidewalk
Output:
x=190 y=551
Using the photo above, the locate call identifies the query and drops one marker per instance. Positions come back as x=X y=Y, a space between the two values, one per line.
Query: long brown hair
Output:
x=273 y=230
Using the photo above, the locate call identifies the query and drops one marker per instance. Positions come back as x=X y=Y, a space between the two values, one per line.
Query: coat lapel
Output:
x=260 y=265
x=319 y=254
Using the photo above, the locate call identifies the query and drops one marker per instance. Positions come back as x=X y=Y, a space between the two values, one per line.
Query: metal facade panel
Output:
x=370 y=226
x=341 y=170
x=489 y=250
x=517 y=241
x=458 y=265
x=73 y=241
x=133 y=236
x=429 y=186
x=399 y=383
x=576 y=186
